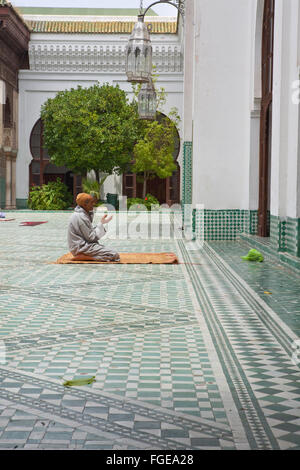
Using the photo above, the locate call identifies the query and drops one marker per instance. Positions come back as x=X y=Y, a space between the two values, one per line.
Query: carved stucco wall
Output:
x=97 y=57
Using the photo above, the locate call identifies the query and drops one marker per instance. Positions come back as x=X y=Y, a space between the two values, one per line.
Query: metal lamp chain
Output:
x=141 y=7
x=179 y=4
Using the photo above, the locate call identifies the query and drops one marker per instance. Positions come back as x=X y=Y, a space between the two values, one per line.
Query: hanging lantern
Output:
x=147 y=101
x=139 y=53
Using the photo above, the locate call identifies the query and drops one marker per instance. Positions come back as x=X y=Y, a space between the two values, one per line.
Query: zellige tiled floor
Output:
x=186 y=356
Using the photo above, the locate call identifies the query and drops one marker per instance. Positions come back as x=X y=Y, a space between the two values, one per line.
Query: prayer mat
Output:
x=6 y=220
x=125 y=258
x=31 y=224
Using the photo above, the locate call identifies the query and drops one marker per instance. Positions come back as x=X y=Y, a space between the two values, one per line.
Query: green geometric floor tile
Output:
x=185 y=356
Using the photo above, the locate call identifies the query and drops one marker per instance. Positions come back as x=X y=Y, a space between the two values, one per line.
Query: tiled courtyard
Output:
x=190 y=356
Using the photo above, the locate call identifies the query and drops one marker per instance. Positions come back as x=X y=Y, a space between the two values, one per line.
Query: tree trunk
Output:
x=144 y=185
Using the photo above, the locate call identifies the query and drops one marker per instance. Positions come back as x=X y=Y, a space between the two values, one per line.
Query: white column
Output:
x=221 y=130
x=285 y=122
x=255 y=101
x=188 y=103
x=188 y=71
x=254 y=155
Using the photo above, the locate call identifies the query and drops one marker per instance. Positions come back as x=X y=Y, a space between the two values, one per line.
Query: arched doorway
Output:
x=266 y=119
x=165 y=190
x=42 y=171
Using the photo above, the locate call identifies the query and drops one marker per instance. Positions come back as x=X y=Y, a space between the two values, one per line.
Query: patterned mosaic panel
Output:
x=285 y=235
x=291 y=230
x=277 y=240
x=251 y=222
x=187 y=173
x=220 y=224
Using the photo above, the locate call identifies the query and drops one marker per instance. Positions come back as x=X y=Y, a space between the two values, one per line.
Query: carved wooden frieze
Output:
x=14 y=38
x=8 y=75
x=13 y=29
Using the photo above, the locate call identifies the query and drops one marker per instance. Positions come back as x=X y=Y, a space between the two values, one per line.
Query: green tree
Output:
x=153 y=154
x=91 y=129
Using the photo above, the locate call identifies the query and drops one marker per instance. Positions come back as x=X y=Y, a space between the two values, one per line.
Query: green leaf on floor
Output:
x=86 y=381
x=253 y=255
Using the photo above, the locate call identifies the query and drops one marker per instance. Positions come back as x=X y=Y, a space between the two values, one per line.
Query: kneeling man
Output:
x=83 y=236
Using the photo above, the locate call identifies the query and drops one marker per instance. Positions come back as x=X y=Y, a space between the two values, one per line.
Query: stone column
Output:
x=13 y=183
x=285 y=169
x=8 y=182
x=188 y=102
x=187 y=174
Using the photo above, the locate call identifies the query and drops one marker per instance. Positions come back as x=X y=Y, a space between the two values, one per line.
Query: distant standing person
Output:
x=83 y=237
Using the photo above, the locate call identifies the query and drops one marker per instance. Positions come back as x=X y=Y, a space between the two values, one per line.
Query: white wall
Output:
x=285 y=174
x=189 y=55
x=257 y=10
x=221 y=131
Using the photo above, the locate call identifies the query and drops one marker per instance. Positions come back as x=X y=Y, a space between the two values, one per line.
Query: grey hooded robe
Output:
x=83 y=237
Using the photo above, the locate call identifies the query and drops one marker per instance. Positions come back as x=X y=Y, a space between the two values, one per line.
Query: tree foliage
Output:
x=154 y=153
x=91 y=129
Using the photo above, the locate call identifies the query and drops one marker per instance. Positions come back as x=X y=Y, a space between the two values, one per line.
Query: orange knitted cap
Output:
x=83 y=198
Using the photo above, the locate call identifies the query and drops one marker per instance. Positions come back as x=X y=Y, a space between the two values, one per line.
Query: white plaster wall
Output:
x=285 y=123
x=37 y=87
x=221 y=131
x=188 y=98
x=257 y=10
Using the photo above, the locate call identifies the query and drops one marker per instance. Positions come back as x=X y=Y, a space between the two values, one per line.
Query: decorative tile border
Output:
x=2 y=192
x=227 y=224
x=285 y=235
x=187 y=172
x=292 y=236
x=222 y=224
x=22 y=203
x=187 y=179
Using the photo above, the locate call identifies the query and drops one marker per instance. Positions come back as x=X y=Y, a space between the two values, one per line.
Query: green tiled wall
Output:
x=292 y=236
x=285 y=234
x=222 y=224
x=2 y=192
x=187 y=172
x=277 y=233
x=187 y=175
x=251 y=222
x=21 y=204
x=228 y=224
